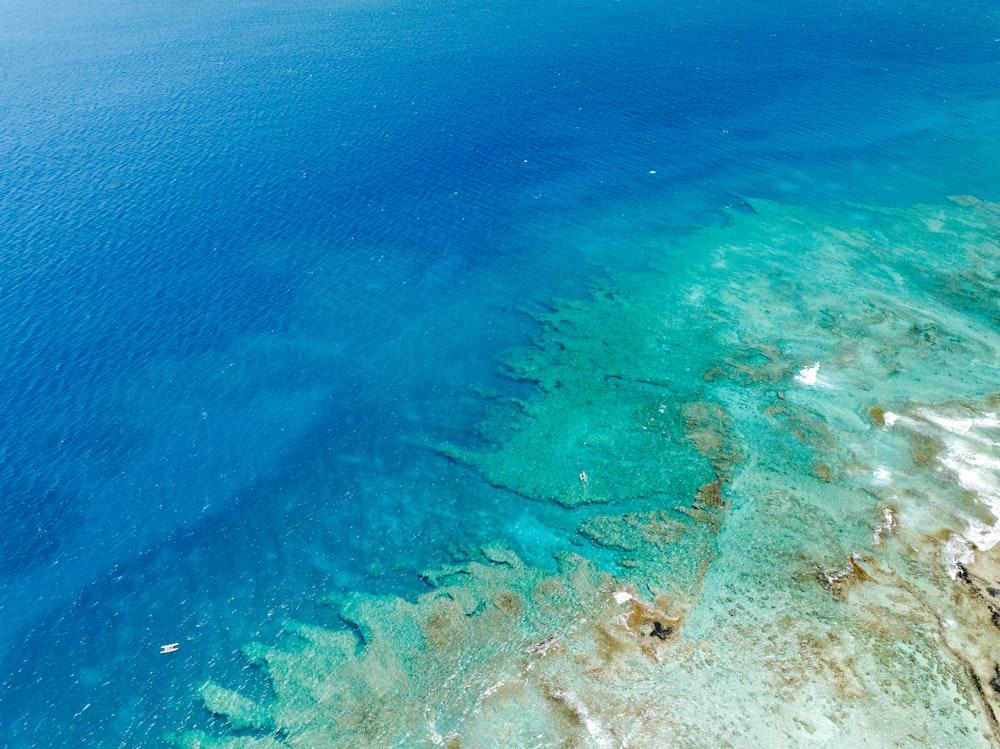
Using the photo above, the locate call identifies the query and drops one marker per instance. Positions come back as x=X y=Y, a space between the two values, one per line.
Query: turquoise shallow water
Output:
x=273 y=276
x=783 y=466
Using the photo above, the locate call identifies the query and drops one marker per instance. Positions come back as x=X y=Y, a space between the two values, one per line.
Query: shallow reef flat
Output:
x=789 y=451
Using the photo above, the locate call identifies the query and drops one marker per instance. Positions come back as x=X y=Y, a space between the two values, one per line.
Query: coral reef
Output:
x=795 y=449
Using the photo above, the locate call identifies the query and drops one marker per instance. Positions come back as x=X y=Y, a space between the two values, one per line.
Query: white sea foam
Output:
x=490 y=691
x=433 y=735
x=961 y=425
x=887 y=527
x=808 y=375
x=621 y=596
x=594 y=727
x=882 y=476
x=957 y=551
x=968 y=457
x=982 y=536
x=976 y=471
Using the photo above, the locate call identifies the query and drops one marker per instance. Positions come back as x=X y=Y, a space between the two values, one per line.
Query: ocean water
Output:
x=304 y=299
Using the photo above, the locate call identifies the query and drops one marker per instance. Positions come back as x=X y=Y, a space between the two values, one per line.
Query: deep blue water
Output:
x=253 y=256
